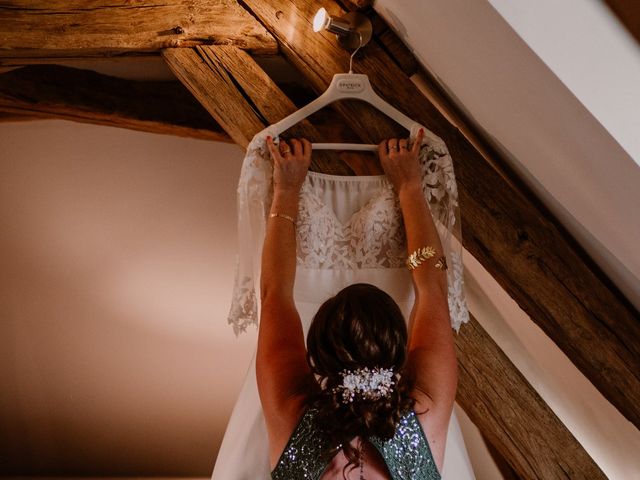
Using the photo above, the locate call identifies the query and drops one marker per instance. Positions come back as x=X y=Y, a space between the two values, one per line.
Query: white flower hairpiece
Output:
x=370 y=384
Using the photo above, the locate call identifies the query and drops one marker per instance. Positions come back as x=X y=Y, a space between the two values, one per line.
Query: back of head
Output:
x=360 y=327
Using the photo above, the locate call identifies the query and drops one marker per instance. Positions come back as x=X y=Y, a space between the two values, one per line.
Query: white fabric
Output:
x=349 y=230
x=372 y=238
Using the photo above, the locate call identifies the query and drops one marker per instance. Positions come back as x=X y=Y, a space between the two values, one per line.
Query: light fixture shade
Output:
x=320 y=20
x=352 y=29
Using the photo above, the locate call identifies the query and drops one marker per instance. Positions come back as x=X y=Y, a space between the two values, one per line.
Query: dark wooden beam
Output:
x=521 y=245
x=10 y=117
x=512 y=416
x=49 y=91
x=59 y=29
x=246 y=91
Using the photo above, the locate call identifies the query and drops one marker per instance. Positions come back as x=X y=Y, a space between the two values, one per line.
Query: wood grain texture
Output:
x=521 y=245
x=273 y=105
x=217 y=92
x=511 y=414
x=49 y=91
x=38 y=28
x=393 y=45
x=241 y=96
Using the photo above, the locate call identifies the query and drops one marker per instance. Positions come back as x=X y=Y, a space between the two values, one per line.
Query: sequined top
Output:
x=407 y=454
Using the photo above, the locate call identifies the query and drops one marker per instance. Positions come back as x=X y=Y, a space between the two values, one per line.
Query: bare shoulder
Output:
x=434 y=419
x=282 y=372
x=281 y=425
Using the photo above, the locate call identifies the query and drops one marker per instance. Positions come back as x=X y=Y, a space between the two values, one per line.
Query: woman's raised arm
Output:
x=281 y=366
x=431 y=347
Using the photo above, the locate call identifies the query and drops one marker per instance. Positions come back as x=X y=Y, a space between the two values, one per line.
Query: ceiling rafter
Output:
x=244 y=104
x=52 y=91
x=44 y=31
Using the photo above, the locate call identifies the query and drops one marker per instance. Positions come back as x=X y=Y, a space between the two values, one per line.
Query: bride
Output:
x=372 y=399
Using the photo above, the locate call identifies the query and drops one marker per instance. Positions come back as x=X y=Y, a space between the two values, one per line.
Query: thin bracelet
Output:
x=282 y=215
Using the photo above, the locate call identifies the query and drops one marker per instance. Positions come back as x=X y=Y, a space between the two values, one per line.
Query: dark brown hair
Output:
x=361 y=326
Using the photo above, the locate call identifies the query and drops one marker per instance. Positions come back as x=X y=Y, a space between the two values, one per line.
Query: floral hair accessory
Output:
x=370 y=384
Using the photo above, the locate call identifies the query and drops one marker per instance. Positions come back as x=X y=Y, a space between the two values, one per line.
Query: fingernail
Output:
x=268 y=137
x=421 y=130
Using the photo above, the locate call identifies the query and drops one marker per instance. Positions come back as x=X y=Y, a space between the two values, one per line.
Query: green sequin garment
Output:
x=407 y=455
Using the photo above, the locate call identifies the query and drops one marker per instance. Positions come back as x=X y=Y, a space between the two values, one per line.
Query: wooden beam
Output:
x=258 y=96
x=527 y=250
x=242 y=95
x=215 y=90
x=356 y=4
x=59 y=29
x=512 y=416
x=9 y=117
x=48 y=91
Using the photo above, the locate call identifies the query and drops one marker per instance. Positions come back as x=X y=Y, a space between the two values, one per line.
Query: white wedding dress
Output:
x=349 y=230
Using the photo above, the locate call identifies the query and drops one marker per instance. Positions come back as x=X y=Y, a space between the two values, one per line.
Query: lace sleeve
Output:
x=253 y=199
x=441 y=191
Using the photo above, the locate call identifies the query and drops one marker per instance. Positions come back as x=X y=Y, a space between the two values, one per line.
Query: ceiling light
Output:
x=353 y=29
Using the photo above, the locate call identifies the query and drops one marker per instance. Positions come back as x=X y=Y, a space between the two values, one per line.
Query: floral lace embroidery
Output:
x=372 y=238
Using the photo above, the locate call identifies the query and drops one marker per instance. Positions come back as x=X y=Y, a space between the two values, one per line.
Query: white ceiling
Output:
x=589 y=50
x=561 y=150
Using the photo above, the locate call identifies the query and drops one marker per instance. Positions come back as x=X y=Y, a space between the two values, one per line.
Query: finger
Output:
x=275 y=154
x=306 y=148
x=284 y=148
x=296 y=147
x=382 y=150
x=402 y=144
x=393 y=145
x=418 y=142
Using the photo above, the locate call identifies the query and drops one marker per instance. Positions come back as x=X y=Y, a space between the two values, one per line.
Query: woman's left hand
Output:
x=401 y=164
x=290 y=163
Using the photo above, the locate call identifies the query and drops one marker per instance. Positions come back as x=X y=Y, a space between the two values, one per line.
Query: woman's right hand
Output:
x=290 y=163
x=400 y=164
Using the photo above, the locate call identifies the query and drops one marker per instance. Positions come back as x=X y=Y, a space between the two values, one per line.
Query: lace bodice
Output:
x=372 y=236
x=407 y=454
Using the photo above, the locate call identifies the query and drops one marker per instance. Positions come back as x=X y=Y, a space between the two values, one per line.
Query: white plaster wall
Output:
x=117 y=251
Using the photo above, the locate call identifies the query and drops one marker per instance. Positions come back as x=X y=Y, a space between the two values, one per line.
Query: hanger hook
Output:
x=354 y=52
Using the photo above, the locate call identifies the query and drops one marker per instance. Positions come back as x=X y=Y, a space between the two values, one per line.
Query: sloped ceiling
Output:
x=542 y=105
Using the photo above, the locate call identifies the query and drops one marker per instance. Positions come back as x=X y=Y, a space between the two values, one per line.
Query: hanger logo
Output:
x=350 y=85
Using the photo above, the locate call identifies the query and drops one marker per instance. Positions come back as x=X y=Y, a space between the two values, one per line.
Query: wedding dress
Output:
x=349 y=230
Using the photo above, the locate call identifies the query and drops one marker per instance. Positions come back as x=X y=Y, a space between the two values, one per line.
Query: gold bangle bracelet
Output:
x=422 y=254
x=282 y=215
